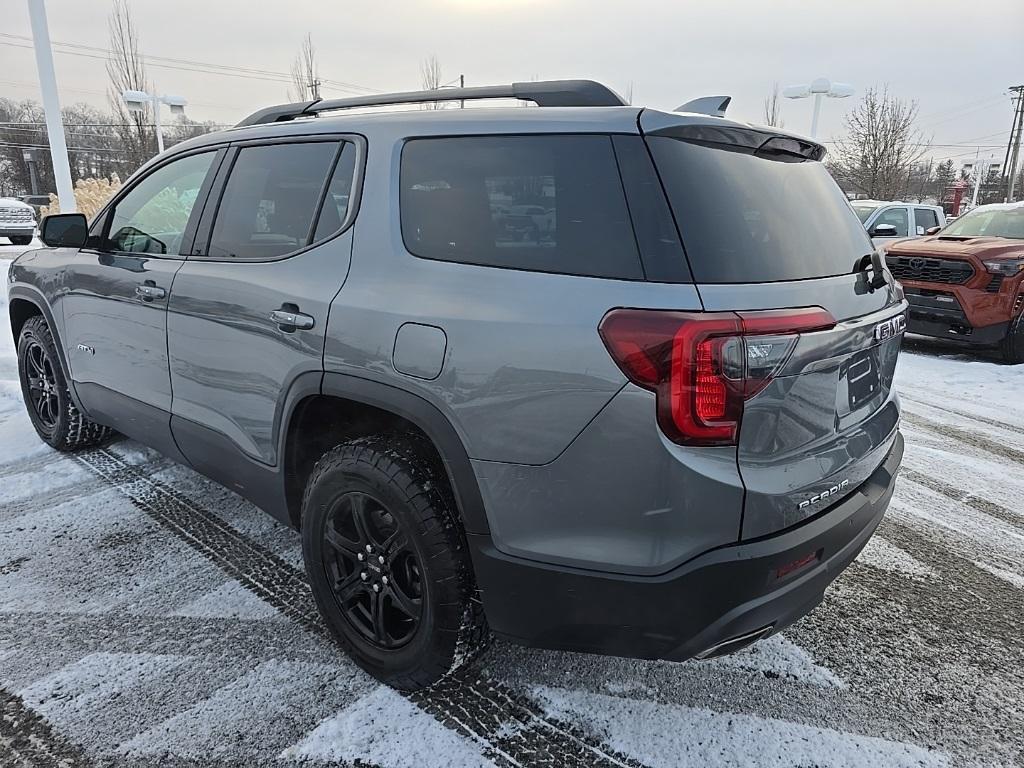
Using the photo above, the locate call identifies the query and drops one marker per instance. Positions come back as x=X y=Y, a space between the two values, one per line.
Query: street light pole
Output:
x=819 y=88
x=51 y=106
x=137 y=101
x=159 y=128
x=815 y=115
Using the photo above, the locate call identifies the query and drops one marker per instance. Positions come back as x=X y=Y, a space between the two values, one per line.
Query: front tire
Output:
x=45 y=390
x=1012 y=346
x=387 y=562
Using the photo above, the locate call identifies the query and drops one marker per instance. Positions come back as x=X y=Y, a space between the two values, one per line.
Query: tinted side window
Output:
x=897 y=217
x=655 y=230
x=544 y=203
x=271 y=199
x=153 y=215
x=336 y=201
x=925 y=219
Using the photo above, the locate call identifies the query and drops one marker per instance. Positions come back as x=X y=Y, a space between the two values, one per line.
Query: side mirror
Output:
x=883 y=230
x=932 y=230
x=64 y=230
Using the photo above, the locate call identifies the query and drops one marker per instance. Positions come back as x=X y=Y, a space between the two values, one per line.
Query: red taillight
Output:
x=704 y=365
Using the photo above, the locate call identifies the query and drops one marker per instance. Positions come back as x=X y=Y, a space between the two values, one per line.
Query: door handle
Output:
x=148 y=291
x=290 y=320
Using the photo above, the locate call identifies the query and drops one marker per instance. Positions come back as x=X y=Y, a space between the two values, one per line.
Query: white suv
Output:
x=17 y=221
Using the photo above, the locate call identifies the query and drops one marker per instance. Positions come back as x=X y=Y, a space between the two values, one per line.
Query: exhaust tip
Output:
x=734 y=644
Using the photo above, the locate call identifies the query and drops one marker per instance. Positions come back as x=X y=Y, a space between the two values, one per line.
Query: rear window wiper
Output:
x=872 y=261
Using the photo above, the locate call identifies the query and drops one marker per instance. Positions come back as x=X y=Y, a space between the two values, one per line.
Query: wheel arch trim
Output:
x=433 y=423
x=32 y=295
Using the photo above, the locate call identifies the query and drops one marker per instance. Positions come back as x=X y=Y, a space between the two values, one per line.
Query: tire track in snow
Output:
x=34 y=463
x=966 y=437
x=512 y=731
x=978 y=503
x=27 y=741
x=70 y=492
x=964 y=414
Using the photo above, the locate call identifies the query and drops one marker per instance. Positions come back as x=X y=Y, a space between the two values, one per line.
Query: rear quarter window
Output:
x=746 y=218
x=540 y=203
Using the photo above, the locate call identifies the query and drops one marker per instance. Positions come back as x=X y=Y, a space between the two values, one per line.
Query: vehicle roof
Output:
x=470 y=121
x=14 y=201
x=998 y=207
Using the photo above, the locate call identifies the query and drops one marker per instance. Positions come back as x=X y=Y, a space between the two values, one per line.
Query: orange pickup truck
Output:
x=967 y=281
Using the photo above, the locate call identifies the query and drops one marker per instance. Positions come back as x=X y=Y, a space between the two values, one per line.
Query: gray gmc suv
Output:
x=657 y=427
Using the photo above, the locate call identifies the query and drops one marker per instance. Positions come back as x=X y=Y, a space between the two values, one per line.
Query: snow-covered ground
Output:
x=151 y=618
x=10 y=251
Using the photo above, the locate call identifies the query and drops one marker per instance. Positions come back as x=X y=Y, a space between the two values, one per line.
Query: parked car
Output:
x=603 y=442
x=967 y=281
x=38 y=202
x=886 y=221
x=17 y=221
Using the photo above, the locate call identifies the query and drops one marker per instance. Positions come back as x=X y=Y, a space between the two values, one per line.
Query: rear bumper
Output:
x=746 y=589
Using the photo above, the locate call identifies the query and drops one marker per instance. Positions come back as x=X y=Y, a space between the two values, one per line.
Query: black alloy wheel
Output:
x=373 y=571
x=387 y=560
x=42 y=386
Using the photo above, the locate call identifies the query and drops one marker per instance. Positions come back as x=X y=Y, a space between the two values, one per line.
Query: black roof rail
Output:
x=544 y=93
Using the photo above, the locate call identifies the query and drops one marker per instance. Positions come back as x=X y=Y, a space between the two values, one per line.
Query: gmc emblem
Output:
x=894 y=326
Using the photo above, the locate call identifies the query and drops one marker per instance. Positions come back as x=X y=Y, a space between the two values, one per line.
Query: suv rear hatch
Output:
x=765 y=227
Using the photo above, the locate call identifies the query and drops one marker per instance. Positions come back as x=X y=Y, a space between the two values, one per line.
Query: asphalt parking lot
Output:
x=149 y=617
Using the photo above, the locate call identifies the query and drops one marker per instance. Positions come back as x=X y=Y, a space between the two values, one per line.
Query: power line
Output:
x=70 y=149
x=961 y=111
x=185 y=65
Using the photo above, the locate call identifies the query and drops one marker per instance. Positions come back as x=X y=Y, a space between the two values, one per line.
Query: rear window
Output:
x=745 y=218
x=542 y=203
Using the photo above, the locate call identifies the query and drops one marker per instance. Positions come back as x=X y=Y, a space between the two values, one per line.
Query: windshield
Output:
x=747 y=218
x=864 y=211
x=995 y=222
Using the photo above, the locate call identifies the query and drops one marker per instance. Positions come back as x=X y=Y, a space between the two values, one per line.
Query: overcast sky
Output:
x=955 y=58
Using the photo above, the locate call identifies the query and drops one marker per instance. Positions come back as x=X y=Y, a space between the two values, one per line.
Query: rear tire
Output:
x=387 y=561
x=47 y=398
x=1012 y=345
x=21 y=239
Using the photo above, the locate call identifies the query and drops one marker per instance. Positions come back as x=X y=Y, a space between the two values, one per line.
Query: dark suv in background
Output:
x=659 y=427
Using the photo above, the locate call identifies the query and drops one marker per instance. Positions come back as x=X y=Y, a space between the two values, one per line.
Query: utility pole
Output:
x=314 y=89
x=462 y=84
x=1015 y=133
x=51 y=106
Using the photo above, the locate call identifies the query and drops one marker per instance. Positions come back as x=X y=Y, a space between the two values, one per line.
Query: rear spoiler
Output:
x=742 y=138
x=706 y=105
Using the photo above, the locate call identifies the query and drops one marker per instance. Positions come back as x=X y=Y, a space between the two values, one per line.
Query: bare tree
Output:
x=881 y=146
x=430 y=79
x=305 y=73
x=772 y=108
x=127 y=72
